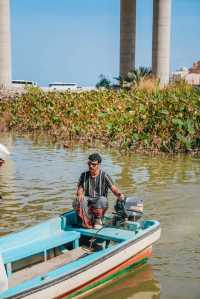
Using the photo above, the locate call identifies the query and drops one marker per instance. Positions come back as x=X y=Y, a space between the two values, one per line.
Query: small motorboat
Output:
x=60 y=259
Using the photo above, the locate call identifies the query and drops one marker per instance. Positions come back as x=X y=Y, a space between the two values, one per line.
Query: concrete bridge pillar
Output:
x=161 y=40
x=127 y=36
x=5 y=43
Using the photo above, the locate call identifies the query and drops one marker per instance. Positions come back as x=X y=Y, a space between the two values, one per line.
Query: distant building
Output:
x=180 y=74
x=193 y=79
x=195 y=69
x=191 y=75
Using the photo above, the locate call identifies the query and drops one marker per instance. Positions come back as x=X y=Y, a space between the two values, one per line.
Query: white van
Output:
x=23 y=83
x=62 y=86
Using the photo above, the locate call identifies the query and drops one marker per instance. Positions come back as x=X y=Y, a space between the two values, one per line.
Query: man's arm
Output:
x=117 y=192
x=80 y=193
x=80 y=188
x=113 y=188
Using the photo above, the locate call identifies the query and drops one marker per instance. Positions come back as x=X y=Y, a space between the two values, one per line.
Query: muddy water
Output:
x=39 y=180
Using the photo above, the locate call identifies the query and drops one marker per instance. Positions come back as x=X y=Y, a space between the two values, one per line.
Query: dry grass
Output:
x=148 y=84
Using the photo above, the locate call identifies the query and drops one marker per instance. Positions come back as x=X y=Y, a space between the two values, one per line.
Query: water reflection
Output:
x=138 y=284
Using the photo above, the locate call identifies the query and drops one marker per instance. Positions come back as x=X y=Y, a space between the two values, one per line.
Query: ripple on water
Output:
x=40 y=179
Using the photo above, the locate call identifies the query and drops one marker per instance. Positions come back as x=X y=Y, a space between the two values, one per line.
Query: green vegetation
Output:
x=142 y=119
x=135 y=77
x=132 y=80
x=103 y=82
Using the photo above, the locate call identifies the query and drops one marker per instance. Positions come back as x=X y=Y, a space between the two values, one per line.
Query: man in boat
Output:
x=93 y=185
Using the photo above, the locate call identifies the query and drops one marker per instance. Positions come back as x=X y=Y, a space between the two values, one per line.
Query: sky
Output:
x=77 y=40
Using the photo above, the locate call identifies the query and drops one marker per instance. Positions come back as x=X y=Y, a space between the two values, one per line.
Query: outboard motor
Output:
x=131 y=209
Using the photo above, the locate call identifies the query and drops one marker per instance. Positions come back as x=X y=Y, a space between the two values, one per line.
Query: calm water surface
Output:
x=39 y=182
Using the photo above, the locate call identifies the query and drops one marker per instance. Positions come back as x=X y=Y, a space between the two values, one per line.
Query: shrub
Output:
x=142 y=119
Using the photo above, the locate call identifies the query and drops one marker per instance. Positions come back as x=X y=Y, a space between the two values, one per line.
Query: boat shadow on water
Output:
x=133 y=284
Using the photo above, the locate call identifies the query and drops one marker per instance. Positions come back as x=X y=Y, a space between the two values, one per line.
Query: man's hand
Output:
x=80 y=194
x=117 y=193
x=121 y=196
x=80 y=197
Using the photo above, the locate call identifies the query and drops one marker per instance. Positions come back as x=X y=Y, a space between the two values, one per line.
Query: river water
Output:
x=39 y=181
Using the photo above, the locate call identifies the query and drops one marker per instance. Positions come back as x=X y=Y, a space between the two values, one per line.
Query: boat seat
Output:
x=43 y=268
x=113 y=234
x=21 y=250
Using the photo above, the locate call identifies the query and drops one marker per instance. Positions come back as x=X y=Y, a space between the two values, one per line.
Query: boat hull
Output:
x=133 y=262
x=98 y=273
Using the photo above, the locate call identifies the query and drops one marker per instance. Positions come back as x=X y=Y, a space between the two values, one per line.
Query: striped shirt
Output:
x=95 y=186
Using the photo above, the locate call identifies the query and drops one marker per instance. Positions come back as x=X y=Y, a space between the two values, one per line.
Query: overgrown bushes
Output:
x=141 y=119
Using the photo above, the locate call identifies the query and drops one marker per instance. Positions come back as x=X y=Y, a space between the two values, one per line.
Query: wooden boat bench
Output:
x=21 y=251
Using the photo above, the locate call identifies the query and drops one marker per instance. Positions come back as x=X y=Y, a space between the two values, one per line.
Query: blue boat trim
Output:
x=55 y=227
x=103 y=256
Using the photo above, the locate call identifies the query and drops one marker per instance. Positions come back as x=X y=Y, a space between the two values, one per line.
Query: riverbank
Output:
x=140 y=120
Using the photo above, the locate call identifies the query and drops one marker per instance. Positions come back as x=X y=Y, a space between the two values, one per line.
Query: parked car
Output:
x=23 y=83
x=62 y=86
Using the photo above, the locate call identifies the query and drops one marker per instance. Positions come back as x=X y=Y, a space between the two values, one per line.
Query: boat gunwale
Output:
x=121 y=246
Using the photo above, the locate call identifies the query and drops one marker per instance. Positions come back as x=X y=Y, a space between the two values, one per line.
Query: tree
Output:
x=134 y=77
x=103 y=82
